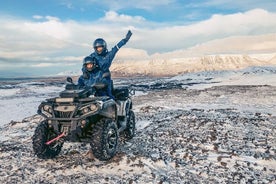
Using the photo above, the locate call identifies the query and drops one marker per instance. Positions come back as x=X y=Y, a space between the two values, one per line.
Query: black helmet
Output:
x=89 y=60
x=99 y=42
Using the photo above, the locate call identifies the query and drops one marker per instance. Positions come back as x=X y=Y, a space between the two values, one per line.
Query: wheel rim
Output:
x=111 y=139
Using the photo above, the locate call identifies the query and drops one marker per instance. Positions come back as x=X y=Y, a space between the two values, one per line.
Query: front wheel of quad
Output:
x=41 y=136
x=104 y=139
x=130 y=127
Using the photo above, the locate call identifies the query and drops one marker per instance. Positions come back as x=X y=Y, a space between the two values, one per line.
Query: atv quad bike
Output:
x=77 y=115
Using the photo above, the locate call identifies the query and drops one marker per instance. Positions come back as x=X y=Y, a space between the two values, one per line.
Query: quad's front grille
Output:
x=60 y=114
x=64 y=111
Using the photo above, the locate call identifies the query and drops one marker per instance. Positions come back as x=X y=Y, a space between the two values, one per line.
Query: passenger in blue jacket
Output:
x=104 y=58
x=95 y=76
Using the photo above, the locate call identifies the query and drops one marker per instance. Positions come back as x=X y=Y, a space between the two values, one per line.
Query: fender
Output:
x=109 y=109
x=123 y=107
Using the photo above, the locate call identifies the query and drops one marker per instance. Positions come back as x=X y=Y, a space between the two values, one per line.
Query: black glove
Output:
x=128 y=35
x=86 y=75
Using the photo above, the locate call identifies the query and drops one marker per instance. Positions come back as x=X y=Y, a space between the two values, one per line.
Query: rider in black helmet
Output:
x=100 y=47
x=95 y=75
x=104 y=58
x=89 y=63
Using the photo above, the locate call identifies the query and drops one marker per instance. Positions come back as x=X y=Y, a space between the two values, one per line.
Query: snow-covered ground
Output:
x=22 y=99
x=205 y=127
x=248 y=76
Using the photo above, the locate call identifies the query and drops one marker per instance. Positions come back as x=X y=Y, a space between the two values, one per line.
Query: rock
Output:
x=192 y=137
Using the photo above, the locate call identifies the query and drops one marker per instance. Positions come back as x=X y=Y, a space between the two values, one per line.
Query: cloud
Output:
x=113 y=16
x=44 y=65
x=38 y=17
x=115 y=5
x=256 y=21
x=252 y=22
x=48 y=39
x=52 y=27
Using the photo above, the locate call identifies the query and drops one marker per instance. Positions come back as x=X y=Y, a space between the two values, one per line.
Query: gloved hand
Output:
x=128 y=35
x=124 y=40
x=86 y=75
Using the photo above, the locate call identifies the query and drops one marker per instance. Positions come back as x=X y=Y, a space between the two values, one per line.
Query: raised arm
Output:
x=107 y=60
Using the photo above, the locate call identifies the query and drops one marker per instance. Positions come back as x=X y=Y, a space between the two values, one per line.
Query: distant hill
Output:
x=222 y=54
x=175 y=66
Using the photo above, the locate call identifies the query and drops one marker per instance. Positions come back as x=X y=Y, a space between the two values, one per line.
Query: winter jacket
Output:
x=95 y=76
x=104 y=63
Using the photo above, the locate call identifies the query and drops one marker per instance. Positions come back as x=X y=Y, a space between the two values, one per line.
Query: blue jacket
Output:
x=104 y=61
x=94 y=77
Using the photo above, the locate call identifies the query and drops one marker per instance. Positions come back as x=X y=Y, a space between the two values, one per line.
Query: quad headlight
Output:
x=85 y=110
x=89 y=109
x=93 y=107
x=47 y=110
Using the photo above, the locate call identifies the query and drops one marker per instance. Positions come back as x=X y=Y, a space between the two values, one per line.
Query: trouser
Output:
x=110 y=88
x=107 y=91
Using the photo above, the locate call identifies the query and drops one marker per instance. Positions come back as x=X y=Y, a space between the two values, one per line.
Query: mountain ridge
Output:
x=176 y=66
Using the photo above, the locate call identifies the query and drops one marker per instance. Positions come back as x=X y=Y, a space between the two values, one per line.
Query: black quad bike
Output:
x=77 y=115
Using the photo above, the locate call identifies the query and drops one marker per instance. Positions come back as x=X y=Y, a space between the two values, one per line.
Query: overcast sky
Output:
x=39 y=37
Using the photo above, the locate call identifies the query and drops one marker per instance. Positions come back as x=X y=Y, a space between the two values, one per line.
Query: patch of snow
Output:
x=142 y=124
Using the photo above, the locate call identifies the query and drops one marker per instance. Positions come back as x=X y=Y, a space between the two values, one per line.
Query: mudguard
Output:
x=123 y=107
x=109 y=109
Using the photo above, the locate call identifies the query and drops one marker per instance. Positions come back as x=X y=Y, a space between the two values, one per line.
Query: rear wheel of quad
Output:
x=130 y=127
x=104 y=139
x=41 y=136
